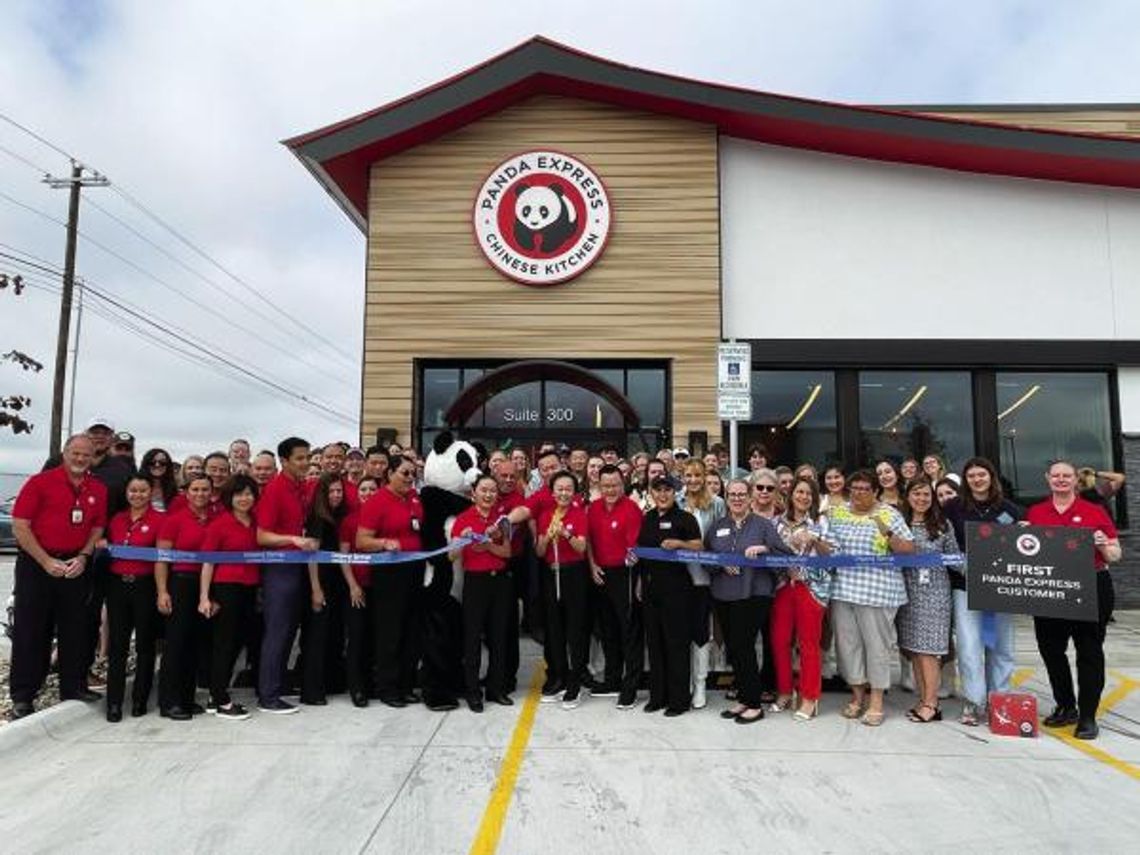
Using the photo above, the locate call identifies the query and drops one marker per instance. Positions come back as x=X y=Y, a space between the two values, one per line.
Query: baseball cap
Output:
x=100 y=421
x=355 y=452
x=666 y=481
x=124 y=438
x=680 y=451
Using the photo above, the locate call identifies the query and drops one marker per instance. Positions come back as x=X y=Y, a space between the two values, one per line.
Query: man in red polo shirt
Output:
x=58 y=516
x=613 y=526
x=518 y=567
x=1065 y=508
x=281 y=513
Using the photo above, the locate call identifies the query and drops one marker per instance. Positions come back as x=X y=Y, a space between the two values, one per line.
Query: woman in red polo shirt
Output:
x=391 y=522
x=561 y=542
x=177 y=595
x=1065 y=508
x=131 y=601
x=226 y=591
x=361 y=606
x=486 y=595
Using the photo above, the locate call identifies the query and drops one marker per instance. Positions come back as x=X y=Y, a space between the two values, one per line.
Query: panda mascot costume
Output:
x=450 y=471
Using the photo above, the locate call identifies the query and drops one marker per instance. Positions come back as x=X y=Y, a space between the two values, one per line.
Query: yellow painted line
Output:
x=495 y=814
x=1123 y=678
x=1021 y=676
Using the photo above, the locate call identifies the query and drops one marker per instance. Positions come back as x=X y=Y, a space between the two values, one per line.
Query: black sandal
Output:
x=919 y=718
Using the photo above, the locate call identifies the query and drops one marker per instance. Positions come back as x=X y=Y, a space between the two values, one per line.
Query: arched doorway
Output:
x=535 y=400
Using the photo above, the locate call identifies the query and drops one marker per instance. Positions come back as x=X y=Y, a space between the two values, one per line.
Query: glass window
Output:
x=517 y=407
x=614 y=376
x=646 y=391
x=569 y=406
x=1042 y=417
x=793 y=416
x=440 y=387
x=915 y=413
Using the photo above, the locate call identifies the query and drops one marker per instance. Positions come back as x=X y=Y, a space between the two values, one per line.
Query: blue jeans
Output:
x=281 y=606
x=982 y=669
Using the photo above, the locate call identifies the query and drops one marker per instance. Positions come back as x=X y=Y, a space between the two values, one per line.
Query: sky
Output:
x=213 y=229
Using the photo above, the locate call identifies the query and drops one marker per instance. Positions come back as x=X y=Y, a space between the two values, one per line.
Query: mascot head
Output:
x=452 y=464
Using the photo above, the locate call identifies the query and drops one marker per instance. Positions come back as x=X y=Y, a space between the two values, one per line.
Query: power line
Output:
x=209 y=309
x=170 y=329
x=207 y=359
x=17 y=156
x=132 y=200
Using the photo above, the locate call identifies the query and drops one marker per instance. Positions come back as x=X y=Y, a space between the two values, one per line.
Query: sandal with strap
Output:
x=854 y=709
x=919 y=718
x=872 y=718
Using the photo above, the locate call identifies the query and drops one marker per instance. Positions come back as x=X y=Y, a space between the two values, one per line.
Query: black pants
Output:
x=1053 y=636
x=358 y=624
x=564 y=596
x=396 y=589
x=700 y=608
x=619 y=615
x=99 y=575
x=229 y=628
x=46 y=605
x=486 y=602
x=740 y=621
x=517 y=573
x=322 y=638
x=668 y=619
x=131 y=609
x=177 y=675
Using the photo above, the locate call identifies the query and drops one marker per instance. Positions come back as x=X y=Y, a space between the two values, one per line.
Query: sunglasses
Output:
x=764 y=488
x=154 y=463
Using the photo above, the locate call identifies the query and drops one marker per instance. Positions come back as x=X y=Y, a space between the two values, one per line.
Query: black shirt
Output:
x=959 y=513
x=657 y=528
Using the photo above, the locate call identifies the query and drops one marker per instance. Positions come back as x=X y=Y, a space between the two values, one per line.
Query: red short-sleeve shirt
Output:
x=226 y=533
x=283 y=506
x=613 y=531
x=1080 y=514
x=477 y=560
x=542 y=500
x=573 y=525
x=390 y=516
x=123 y=531
x=62 y=514
x=183 y=530
x=362 y=573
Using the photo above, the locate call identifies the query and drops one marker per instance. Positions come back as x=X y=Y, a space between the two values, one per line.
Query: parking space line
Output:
x=1122 y=691
x=495 y=814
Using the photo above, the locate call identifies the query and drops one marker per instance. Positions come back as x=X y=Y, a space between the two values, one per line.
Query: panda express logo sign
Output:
x=542 y=217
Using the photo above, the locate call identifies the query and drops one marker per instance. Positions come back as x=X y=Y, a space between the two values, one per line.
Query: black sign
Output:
x=1031 y=570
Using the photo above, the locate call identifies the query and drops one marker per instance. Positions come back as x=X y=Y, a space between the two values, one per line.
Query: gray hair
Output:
x=763 y=474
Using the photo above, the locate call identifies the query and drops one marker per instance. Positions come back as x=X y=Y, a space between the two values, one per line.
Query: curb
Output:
x=47 y=723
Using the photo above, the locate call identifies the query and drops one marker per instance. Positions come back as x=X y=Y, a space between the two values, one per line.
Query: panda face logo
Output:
x=542 y=217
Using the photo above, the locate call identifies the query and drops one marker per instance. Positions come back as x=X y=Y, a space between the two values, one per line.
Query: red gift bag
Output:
x=1013 y=714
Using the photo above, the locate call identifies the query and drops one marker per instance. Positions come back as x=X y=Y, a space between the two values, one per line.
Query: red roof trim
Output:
x=871 y=132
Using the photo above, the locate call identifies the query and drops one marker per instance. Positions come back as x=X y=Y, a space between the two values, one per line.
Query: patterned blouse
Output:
x=857 y=534
x=818 y=579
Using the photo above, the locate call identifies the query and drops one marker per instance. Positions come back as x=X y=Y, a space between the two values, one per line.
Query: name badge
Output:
x=722 y=532
x=415 y=524
x=666 y=525
x=77 y=516
x=924 y=575
x=613 y=524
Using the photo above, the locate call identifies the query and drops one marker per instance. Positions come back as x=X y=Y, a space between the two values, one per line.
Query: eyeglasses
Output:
x=737 y=495
x=861 y=488
x=764 y=488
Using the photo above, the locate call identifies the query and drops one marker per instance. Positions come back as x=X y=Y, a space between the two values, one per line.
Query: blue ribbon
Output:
x=781 y=562
x=182 y=556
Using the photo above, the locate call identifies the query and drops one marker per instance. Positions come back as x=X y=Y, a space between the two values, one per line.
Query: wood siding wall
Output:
x=1124 y=121
x=654 y=293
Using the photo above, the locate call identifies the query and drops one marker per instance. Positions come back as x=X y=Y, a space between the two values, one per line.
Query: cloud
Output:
x=183 y=104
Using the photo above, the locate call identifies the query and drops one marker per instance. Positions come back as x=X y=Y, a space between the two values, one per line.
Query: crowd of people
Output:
x=546 y=548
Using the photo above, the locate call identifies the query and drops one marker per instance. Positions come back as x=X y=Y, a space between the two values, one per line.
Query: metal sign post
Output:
x=734 y=391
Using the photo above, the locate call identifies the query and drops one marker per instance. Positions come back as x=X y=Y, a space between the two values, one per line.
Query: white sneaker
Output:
x=699 y=699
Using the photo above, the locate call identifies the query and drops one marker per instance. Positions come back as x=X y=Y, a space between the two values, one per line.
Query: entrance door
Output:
x=508 y=438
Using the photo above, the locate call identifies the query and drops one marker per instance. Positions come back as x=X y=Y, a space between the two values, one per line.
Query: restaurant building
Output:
x=557 y=243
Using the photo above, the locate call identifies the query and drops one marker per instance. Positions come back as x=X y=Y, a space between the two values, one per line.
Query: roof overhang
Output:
x=339 y=156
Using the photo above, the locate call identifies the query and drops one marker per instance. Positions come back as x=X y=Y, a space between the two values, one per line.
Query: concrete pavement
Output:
x=595 y=780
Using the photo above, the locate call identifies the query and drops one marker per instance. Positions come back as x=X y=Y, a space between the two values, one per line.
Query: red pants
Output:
x=796 y=612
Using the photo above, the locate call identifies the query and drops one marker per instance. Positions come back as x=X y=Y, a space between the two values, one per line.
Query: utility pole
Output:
x=75 y=183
